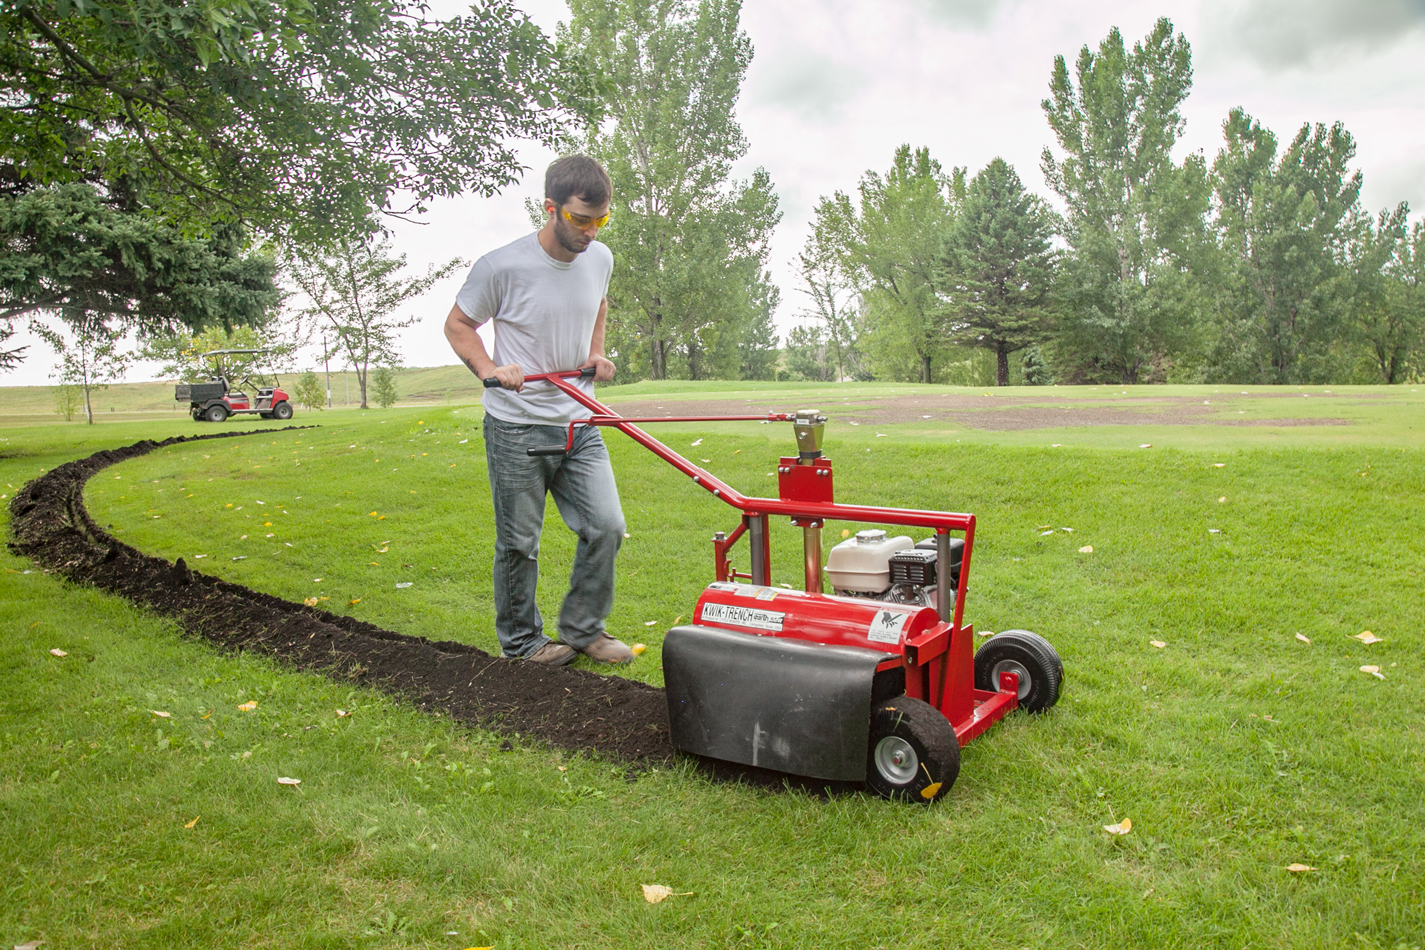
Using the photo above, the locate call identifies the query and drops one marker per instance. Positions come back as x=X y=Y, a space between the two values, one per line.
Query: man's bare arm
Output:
x=604 y=369
x=460 y=330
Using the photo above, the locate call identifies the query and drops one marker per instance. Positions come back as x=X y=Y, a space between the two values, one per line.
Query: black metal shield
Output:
x=775 y=703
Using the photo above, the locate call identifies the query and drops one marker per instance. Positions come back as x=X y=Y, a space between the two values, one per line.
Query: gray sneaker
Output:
x=608 y=650
x=553 y=654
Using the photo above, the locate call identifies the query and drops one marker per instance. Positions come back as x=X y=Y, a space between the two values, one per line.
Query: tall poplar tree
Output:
x=1134 y=218
x=1389 y=310
x=690 y=293
x=997 y=270
x=890 y=243
x=1287 y=223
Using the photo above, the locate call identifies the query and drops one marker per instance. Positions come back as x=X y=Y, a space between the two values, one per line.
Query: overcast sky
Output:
x=836 y=85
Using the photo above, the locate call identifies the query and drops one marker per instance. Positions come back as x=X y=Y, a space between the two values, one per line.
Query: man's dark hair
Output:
x=577 y=176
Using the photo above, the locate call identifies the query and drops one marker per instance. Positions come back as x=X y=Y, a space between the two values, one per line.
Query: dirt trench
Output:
x=568 y=709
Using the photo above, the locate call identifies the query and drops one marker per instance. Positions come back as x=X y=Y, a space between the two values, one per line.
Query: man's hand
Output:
x=510 y=377
x=603 y=369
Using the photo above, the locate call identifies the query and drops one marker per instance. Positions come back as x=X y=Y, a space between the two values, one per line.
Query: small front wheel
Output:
x=283 y=410
x=1031 y=658
x=913 y=755
x=215 y=413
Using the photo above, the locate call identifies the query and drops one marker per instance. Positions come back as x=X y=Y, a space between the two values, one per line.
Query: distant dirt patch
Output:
x=568 y=709
x=991 y=413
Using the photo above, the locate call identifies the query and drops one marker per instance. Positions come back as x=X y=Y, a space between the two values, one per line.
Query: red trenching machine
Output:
x=876 y=682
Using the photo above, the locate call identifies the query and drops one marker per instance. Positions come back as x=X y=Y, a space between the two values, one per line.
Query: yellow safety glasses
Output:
x=582 y=221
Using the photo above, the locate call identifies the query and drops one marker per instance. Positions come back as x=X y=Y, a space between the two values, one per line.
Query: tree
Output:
x=998 y=267
x=385 y=387
x=67 y=400
x=310 y=394
x=202 y=112
x=691 y=243
x=890 y=244
x=1389 y=310
x=181 y=354
x=1286 y=224
x=68 y=250
x=834 y=302
x=354 y=287
x=90 y=357
x=1135 y=219
x=809 y=354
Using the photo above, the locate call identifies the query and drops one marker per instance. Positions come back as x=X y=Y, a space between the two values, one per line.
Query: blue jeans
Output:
x=582 y=483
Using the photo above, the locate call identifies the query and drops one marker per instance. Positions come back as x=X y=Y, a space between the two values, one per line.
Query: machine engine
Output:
x=894 y=569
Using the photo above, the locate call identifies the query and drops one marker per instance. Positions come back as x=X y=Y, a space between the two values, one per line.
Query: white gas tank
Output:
x=863 y=564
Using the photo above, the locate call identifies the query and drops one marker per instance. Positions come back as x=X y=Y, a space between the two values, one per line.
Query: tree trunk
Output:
x=925 y=367
x=88 y=406
x=361 y=373
x=1001 y=365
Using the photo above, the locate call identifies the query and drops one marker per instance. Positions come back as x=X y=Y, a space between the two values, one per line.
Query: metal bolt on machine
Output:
x=876 y=682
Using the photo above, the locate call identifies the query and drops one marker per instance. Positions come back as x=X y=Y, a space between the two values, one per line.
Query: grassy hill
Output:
x=28 y=405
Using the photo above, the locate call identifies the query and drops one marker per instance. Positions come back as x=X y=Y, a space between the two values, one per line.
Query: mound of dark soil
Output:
x=569 y=709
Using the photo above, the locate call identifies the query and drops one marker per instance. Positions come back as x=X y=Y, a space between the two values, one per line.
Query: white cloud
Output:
x=1292 y=33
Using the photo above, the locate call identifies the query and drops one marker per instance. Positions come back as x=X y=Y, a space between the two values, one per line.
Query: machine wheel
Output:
x=283 y=410
x=913 y=755
x=215 y=413
x=1040 y=670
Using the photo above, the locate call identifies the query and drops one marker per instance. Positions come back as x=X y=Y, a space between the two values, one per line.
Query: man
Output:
x=547 y=295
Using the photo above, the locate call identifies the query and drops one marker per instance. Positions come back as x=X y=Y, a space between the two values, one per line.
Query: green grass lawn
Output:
x=1237 y=748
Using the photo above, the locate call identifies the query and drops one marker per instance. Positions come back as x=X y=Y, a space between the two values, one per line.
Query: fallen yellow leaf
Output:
x=160 y=714
x=1086 y=549
x=1299 y=868
x=191 y=823
x=248 y=706
x=930 y=791
x=638 y=649
x=1303 y=638
x=310 y=601
x=355 y=602
x=342 y=714
x=284 y=780
x=1365 y=636
x=655 y=893
x=58 y=652
x=1158 y=643
x=1122 y=828
x=1374 y=671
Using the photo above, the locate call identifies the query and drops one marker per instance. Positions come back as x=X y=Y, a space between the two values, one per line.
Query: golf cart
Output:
x=217 y=399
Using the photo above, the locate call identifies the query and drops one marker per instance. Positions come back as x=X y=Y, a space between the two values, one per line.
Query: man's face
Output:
x=571 y=237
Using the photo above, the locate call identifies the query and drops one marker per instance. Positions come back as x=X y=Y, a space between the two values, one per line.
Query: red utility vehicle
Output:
x=877 y=681
x=216 y=399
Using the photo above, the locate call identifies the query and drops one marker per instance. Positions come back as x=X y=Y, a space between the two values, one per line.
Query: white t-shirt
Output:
x=544 y=312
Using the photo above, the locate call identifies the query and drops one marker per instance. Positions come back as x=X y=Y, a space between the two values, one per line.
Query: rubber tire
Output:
x=283 y=410
x=1032 y=654
x=931 y=737
x=215 y=413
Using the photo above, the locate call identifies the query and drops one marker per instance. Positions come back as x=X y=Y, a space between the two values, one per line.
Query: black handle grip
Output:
x=552 y=450
x=492 y=383
x=588 y=371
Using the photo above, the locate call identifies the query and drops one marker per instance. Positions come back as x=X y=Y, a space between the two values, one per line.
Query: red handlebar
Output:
x=585 y=373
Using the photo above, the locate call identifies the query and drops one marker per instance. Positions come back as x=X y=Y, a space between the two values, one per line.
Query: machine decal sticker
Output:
x=746 y=590
x=743 y=616
x=887 y=627
x=724 y=585
x=767 y=593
